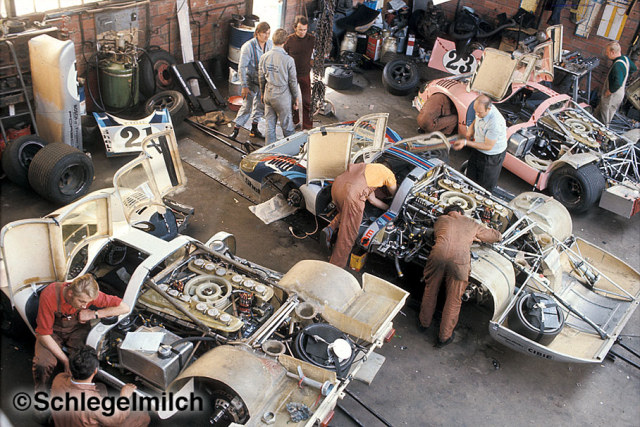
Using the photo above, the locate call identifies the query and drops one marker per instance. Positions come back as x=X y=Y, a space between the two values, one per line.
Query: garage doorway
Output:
x=271 y=11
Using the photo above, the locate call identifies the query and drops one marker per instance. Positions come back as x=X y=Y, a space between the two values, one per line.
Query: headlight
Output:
x=249 y=163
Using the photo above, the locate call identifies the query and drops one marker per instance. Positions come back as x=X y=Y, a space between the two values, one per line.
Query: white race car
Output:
x=247 y=339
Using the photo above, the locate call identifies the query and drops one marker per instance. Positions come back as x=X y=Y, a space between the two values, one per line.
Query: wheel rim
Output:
x=26 y=153
x=72 y=180
x=163 y=73
x=164 y=102
x=570 y=190
x=401 y=73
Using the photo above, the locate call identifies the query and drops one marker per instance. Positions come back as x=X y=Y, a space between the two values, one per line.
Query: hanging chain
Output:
x=324 y=43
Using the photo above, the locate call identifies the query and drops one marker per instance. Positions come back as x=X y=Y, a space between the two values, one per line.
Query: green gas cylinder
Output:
x=118 y=84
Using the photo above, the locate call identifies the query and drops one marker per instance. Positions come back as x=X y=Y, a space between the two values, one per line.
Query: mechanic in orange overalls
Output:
x=438 y=114
x=350 y=192
x=63 y=320
x=450 y=259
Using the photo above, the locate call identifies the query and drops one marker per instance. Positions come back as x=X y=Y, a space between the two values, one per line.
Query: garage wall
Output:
x=591 y=46
x=209 y=28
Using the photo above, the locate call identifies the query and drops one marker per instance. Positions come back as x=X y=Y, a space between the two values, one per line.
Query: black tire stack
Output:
x=56 y=171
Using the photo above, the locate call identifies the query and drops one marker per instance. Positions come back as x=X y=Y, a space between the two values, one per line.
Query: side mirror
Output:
x=222 y=242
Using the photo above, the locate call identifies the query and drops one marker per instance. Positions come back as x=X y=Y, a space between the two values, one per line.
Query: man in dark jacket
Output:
x=299 y=46
x=450 y=260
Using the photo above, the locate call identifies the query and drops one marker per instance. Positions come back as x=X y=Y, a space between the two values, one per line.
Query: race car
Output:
x=258 y=346
x=554 y=295
x=283 y=167
x=553 y=142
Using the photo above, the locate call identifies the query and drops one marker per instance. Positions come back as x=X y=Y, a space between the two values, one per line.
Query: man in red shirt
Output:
x=63 y=320
x=79 y=385
x=299 y=46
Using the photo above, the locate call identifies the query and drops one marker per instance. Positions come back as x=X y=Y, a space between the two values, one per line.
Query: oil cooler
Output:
x=520 y=142
x=160 y=367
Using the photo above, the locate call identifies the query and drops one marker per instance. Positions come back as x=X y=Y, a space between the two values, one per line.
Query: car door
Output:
x=497 y=71
x=368 y=137
x=30 y=258
x=41 y=250
x=157 y=172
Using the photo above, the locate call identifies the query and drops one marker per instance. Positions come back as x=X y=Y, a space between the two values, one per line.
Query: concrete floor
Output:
x=474 y=381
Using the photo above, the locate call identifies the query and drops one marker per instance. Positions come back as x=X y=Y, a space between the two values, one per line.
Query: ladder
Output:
x=10 y=97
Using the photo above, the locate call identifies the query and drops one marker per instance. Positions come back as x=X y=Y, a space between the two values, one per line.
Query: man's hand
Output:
x=127 y=390
x=295 y=104
x=85 y=315
x=245 y=92
x=459 y=144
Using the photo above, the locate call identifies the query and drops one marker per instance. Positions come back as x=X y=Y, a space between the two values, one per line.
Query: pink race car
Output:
x=553 y=142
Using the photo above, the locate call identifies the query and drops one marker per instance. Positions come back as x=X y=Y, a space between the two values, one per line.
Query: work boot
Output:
x=233 y=135
x=255 y=133
x=448 y=341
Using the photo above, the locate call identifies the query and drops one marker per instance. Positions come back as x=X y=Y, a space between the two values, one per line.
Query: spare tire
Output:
x=400 y=76
x=61 y=173
x=18 y=155
x=536 y=316
x=155 y=71
x=339 y=78
x=172 y=100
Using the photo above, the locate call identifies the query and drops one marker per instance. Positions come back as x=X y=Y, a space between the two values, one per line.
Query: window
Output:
x=24 y=7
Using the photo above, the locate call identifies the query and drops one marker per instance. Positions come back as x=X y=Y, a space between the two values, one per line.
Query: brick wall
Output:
x=209 y=28
x=591 y=46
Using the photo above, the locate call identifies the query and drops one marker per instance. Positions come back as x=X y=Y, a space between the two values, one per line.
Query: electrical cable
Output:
x=306 y=234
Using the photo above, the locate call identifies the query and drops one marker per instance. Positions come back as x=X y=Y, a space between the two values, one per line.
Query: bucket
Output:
x=235 y=86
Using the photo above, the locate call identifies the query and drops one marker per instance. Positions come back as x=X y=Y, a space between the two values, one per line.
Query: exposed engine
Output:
x=410 y=237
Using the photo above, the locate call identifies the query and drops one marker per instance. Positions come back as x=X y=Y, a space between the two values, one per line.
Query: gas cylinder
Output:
x=118 y=84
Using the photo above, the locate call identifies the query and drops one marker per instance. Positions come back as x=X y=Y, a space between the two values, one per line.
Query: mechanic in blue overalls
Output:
x=252 y=106
x=279 y=86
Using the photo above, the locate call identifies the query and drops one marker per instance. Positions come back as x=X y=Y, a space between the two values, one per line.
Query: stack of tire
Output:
x=158 y=84
x=56 y=171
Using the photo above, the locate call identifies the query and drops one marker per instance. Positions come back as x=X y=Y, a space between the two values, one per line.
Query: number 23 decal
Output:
x=457 y=65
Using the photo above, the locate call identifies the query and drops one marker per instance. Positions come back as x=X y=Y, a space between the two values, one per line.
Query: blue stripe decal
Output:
x=426 y=164
x=293 y=174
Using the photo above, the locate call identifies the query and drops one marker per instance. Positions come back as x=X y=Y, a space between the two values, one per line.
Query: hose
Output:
x=396 y=261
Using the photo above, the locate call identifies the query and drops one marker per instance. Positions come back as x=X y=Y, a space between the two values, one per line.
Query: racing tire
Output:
x=173 y=101
x=61 y=173
x=155 y=71
x=18 y=155
x=339 y=78
x=400 y=77
x=577 y=189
